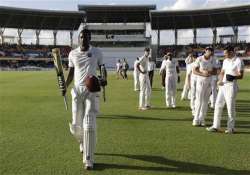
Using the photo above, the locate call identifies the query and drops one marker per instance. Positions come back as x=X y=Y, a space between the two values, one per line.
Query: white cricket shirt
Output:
x=144 y=63
x=84 y=63
x=169 y=66
x=232 y=66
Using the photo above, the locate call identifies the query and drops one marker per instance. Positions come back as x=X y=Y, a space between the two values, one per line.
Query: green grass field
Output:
x=35 y=137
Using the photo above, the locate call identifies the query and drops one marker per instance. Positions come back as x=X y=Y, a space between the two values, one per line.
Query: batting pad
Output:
x=76 y=131
x=89 y=141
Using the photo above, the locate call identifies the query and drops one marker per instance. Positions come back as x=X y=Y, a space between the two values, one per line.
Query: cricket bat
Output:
x=59 y=72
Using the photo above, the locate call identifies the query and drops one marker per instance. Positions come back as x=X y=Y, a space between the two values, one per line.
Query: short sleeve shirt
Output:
x=232 y=66
x=143 y=61
x=84 y=63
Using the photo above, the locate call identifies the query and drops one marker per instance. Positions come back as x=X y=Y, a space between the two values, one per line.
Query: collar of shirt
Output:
x=79 y=49
x=232 y=59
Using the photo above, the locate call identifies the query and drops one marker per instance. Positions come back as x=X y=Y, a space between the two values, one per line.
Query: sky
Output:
x=167 y=37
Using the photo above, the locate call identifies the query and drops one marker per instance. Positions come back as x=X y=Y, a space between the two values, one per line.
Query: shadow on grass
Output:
x=132 y=117
x=244 y=90
x=239 y=124
x=178 y=108
x=167 y=165
x=158 y=89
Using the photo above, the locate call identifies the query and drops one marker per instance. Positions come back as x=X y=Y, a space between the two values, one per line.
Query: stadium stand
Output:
x=122 y=32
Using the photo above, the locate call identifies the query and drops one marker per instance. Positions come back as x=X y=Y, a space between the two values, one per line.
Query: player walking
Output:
x=232 y=69
x=83 y=62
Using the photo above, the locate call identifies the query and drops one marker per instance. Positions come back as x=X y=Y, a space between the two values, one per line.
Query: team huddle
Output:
x=204 y=76
x=201 y=76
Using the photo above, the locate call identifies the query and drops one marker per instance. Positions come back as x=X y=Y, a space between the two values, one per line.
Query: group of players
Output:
x=205 y=76
x=85 y=59
x=122 y=68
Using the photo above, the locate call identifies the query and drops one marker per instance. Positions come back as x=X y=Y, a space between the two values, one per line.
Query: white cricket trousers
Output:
x=85 y=107
x=145 y=90
x=186 y=93
x=227 y=94
x=193 y=93
x=214 y=92
x=203 y=91
x=170 y=89
x=136 y=81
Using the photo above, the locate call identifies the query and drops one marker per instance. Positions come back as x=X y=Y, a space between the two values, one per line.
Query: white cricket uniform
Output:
x=118 y=67
x=85 y=104
x=136 y=77
x=186 y=93
x=203 y=89
x=170 y=81
x=193 y=83
x=227 y=93
x=214 y=84
x=151 y=66
x=145 y=87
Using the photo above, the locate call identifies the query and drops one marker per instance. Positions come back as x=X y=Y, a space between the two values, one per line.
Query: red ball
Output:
x=92 y=83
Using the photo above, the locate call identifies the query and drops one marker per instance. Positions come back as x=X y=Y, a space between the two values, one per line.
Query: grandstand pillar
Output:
x=54 y=34
x=235 y=38
x=37 y=37
x=158 y=41
x=19 y=32
x=71 y=38
x=195 y=36
x=1 y=35
x=175 y=36
x=214 y=36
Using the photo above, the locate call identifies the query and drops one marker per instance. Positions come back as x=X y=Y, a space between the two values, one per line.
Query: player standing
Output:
x=232 y=69
x=145 y=87
x=172 y=69
x=136 y=76
x=204 y=68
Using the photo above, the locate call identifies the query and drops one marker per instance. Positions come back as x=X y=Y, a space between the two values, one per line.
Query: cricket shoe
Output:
x=229 y=131
x=88 y=165
x=195 y=123
x=143 y=108
x=212 y=129
x=202 y=124
x=81 y=147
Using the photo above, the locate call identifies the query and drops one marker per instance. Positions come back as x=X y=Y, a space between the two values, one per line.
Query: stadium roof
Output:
x=200 y=18
x=11 y=17
x=117 y=13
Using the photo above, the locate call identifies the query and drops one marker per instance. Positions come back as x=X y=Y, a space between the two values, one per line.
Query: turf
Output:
x=35 y=137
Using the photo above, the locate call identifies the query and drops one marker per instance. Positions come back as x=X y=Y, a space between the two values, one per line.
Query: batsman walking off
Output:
x=83 y=63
